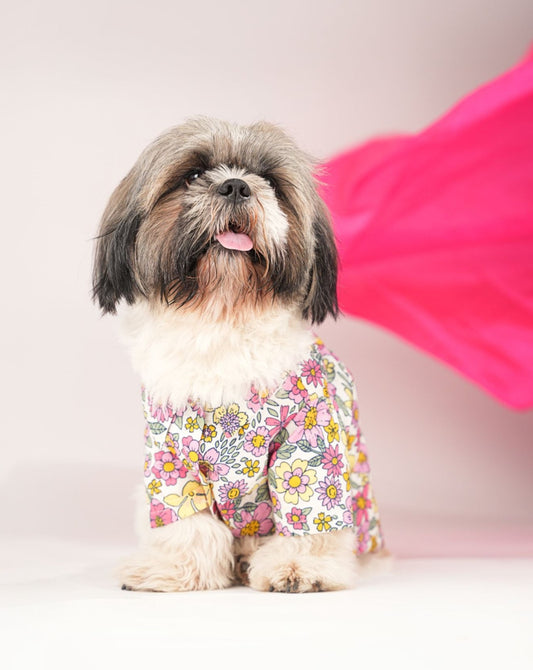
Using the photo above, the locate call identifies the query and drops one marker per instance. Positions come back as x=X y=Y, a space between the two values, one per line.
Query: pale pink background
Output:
x=84 y=87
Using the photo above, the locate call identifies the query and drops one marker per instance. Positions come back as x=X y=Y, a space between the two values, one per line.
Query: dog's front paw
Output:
x=150 y=571
x=304 y=564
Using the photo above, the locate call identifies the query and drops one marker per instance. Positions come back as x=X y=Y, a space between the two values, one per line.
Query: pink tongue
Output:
x=232 y=240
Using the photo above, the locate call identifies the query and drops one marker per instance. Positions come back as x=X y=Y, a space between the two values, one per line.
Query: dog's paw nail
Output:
x=292 y=585
x=125 y=587
x=317 y=586
x=271 y=588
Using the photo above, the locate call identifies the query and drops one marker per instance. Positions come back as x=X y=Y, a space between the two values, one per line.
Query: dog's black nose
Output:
x=235 y=189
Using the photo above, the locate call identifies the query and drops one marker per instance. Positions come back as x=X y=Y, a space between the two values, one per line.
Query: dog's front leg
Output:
x=191 y=554
x=315 y=562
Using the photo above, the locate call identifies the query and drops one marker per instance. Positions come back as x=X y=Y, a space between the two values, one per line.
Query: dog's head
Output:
x=219 y=217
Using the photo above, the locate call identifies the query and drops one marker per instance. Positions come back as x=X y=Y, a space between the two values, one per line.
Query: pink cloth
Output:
x=435 y=234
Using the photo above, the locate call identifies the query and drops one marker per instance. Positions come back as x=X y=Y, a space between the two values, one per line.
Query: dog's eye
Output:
x=270 y=181
x=192 y=176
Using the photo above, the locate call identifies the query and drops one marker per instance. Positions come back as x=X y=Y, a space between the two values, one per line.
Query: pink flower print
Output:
x=329 y=492
x=159 y=412
x=188 y=442
x=227 y=511
x=168 y=467
x=312 y=372
x=332 y=461
x=210 y=466
x=258 y=523
x=363 y=536
x=310 y=421
x=197 y=410
x=347 y=517
x=294 y=385
x=275 y=501
x=319 y=344
x=147 y=463
x=361 y=462
x=256 y=441
x=190 y=452
x=171 y=444
x=256 y=400
x=296 y=518
x=278 y=424
x=332 y=389
x=161 y=515
x=232 y=490
x=361 y=503
x=283 y=530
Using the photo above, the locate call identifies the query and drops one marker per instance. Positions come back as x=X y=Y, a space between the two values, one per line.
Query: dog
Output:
x=218 y=253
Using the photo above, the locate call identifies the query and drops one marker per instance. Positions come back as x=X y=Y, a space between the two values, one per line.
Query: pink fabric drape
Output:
x=435 y=234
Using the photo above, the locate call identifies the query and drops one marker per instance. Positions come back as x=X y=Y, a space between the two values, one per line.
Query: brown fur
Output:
x=157 y=234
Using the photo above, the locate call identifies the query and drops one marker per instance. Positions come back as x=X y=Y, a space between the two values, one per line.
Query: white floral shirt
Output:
x=291 y=461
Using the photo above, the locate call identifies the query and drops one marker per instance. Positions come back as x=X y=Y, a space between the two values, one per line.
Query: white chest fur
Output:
x=180 y=356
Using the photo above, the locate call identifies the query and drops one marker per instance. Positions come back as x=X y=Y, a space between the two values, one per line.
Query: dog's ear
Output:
x=113 y=273
x=321 y=299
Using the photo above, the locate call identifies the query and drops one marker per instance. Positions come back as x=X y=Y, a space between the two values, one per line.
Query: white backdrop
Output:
x=84 y=87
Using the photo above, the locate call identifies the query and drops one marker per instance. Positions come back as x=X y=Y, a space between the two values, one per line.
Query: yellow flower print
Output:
x=154 y=487
x=346 y=476
x=293 y=480
x=349 y=394
x=310 y=418
x=191 y=424
x=332 y=429
x=251 y=468
x=362 y=458
x=209 y=432
x=322 y=521
x=243 y=428
x=329 y=366
x=251 y=528
x=194 y=498
x=231 y=419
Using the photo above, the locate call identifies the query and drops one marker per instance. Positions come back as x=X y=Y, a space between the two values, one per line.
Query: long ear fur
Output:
x=113 y=275
x=321 y=297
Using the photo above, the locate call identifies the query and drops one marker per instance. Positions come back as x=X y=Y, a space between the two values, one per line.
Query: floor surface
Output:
x=60 y=607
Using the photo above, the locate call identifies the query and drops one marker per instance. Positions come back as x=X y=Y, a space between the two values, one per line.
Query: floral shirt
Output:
x=291 y=461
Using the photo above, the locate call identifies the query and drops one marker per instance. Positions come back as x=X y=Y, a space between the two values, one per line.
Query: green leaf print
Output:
x=262 y=493
x=286 y=451
x=157 y=428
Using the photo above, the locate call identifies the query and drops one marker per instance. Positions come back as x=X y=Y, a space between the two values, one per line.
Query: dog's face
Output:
x=218 y=217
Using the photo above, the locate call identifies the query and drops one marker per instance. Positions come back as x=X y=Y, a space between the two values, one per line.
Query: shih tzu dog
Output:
x=221 y=254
